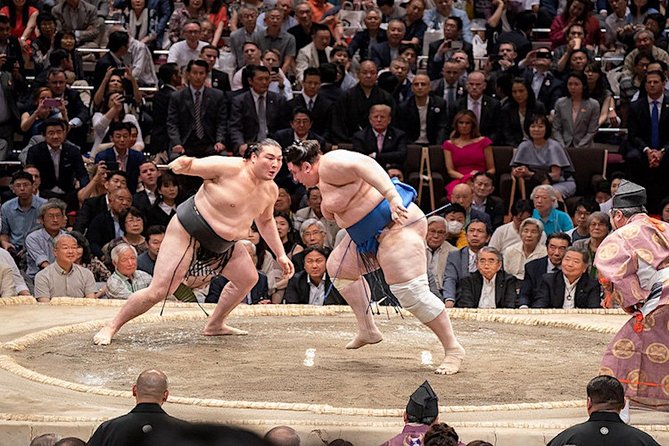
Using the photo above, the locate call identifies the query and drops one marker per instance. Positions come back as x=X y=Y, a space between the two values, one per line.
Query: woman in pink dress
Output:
x=467 y=152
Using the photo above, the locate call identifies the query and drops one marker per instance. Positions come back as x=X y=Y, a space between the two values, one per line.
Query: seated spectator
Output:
x=252 y=55
x=450 y=86
x=146 y=261
x=77 y=112
x=467 y=152
x=113 y=112
x=441 y=434
x=86 y=259
x=313 y=211
x=399 y=69
x=94 y=198
x=117 y=45
x=19 y=283
x=602 y=192
x=278 y=81
x=483 y=187
x=39 y=244
x=59 y=163
x=147 y=193
x=283 y=202
x=80 y=18
x=282 y=436
x=289 y=237
x=67 y=41
x=546 y=86
x=517 y=112
x=106 y=226
x=489 y=286
x=132 y=223
x=424 y=117
x=384 y=52
x=7 y=285
x=120 y=156
x=317 y=52
x=571 y=287
x=42 y=46
x=147 y=20
x=20 y=215
x=319 y=107
x=422 y=411
x=33 y=119
x=313 y=235
x=437 y=248
x=576 y=11
x=545 y=201
x=165 y=206
x=584 y=207
x=556 y=246
x=616 y=178
x=265 y=263
x=300 y=130
x=606 y=399
x=575 y=36
x=644 y=40
x=462 y=263
x=313 y=285
x=529 y=248
x=119 y=81
x=577 y=115
x=456 y=220
x=385 y=143
x=415 y=26
x=599 y=226
x=508 y=234
x=273 y=36
x=64 y=278
x=372 y=34
x=441 y=50
x=600 y=91
x=463 y=194
x=126 y=278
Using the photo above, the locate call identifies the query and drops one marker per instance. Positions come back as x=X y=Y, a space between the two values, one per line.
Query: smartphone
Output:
x=456 y=45
x=544 y=55
x=275 y=70
x=118 y=72
x=495 y=57
x=112 y=166
x=52 y=102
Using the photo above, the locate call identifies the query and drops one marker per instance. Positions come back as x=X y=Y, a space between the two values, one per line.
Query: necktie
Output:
x=655 y=127
x=450 y=95
x=379 y=142
x=311 y=104
x=199 y=129
x=262 y=119
x=477 y=111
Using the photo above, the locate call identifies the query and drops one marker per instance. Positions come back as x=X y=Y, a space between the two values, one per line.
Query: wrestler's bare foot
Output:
x=367 y=338
x=451 y=363
x=224 y=330
x=104 y=336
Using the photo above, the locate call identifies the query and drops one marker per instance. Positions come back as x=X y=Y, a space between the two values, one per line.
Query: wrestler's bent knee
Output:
x=415 y=296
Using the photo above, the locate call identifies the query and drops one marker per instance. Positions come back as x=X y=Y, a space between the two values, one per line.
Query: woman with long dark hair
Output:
x=520 y=106
x=22 y=20
x=577 y=115
x=601 y=92
x=577 y=11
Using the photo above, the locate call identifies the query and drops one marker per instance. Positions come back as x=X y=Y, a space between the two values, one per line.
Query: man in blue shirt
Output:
x=545 y=202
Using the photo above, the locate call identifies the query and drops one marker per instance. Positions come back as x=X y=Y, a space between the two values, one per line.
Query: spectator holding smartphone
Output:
x=44 y=106
x=113 y=111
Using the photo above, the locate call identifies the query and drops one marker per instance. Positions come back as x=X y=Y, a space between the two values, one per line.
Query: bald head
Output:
x=151 y=387
x=282 y=436
x=463 y=195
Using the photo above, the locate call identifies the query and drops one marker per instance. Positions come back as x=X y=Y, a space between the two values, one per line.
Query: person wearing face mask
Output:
x=632 y=264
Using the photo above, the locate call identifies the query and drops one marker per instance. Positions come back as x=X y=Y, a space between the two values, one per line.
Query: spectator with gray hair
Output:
x=64 y=277
x=437 y=248
x=599 y=226
x=126 y=278
x=527 y=249
x=545 y=202
x=571 y=287
x=313 y=234
x=490 y=286
x=313 y=211
x=39 y=243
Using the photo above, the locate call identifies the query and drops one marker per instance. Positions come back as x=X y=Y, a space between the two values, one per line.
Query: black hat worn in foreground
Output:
x=423 y=403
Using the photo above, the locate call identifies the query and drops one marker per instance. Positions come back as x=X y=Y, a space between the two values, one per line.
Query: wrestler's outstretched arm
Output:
x=207 y=168
x=267 y=228
x=341 y=167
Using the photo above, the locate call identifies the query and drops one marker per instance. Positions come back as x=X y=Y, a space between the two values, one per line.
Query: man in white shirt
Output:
x=186 y=50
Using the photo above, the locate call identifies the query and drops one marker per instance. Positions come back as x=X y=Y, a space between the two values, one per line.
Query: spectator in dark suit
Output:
x=190 y=133
x=486 y=108
x=385 y=52
x=483 y=187
x=302 y=31
x=98 y=204
x=463 y=194
x=77 y=112
x=519 y=34
x=105 y=226
x=117 y=45
x=216 y=79
x=61 y=180
x=150 y=393
x=556 y=246
x=170 y=77
x=489 y=286
x=547 y=88
x=330 y=88
x=572 y=287
x=451 y=86
x=300 y=130
x=429 y=128
x=383 y=142
x=146 y=261
x=120 y=154
x=247 y=122
x=372 y=34
x=521 y=102
x=148 y=177
x=313 y=285
x=440 y=50
x=351 y=112
x=319 y=108
x=165 y=206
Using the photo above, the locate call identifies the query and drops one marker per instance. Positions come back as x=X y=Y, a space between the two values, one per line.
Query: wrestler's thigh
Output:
x=174 y=257
x=240 y=270
x=402 y=249
x=343 y=262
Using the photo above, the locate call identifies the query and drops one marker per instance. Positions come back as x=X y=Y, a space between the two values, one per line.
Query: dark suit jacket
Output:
x=494 y=208
x=639 y=129
x=361 y=42
x=490 y=116
x=100 y=232
x=259 y=292
x=220 y=80
x=181 y=119
x=534 y=272
x=89 y=209
x=380 y=54
x=436 y=122
x=297 y=291
x=434 y=67
x=394 y=149
x=141 y=201
x=101 y=66
x=156 y=216
x=512 y=128
x=135 y=159
x=160 y=140
x=244 y=125
x=351 y=112
x=11 y=96
x=331 y=92
x=469 y=290
x=129 y=429
x=76 y=108
x=321 y=114
x=70 y=170
x=457 y=268
x=439 y=85
x=551 y=292
x=551 y=89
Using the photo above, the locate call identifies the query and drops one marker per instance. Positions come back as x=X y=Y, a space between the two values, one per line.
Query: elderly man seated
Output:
x=489 y=286
x=313 y=234
x=437 y=249
x=313 y=211
x=313 y=285
x=126 y=278
x=526 y=250
x=572 y=287
x=64 y=277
